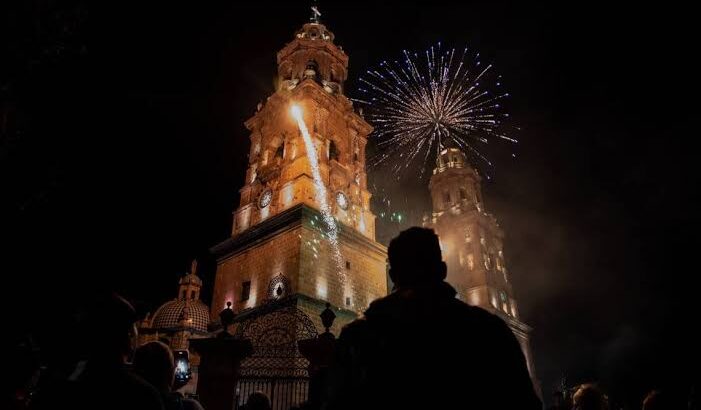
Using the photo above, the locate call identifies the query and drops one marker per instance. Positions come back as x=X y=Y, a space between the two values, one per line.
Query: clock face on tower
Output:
x=265 y=198
x=342 y=200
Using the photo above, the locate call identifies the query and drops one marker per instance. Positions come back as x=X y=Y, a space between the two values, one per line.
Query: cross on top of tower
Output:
x=191 y=277
x=315 y=13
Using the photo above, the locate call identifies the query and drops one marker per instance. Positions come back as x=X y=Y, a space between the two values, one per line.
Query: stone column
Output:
x=220 y=358
x=319 y=351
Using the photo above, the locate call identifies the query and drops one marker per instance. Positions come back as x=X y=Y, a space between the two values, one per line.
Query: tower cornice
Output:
x=309 y=89
x=289 y=219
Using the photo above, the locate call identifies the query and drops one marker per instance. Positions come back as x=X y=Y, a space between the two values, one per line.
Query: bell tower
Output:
x=311 y=72
x=303 y=232
x=472 y=244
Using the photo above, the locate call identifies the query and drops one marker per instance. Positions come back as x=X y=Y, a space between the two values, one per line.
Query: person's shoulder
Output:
x=361 y=326
x=478 y=316
x=191 y=404
x=356 y=329
x=144 y=391
x=186 y=403
x=116 y=389
x=137 y=382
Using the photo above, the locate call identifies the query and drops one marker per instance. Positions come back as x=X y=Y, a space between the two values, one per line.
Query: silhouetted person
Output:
x=420 y=347
x=154 y=363
x=257 y=401
x=665 y=399
x=103 y=380
x=655 y=401
x=589 y=397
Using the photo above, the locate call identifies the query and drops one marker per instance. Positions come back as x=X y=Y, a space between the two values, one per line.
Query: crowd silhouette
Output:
x=417 y=348
x=103 y=380
x=420 y=347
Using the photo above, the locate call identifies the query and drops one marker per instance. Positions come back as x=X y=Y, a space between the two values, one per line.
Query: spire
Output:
x=315 y=13
x=190 y=284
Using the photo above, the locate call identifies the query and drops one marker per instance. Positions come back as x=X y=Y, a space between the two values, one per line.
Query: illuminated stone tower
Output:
x=280 y=249
x=472 y=244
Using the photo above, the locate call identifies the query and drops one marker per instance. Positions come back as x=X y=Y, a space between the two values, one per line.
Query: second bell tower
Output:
x=472 y=244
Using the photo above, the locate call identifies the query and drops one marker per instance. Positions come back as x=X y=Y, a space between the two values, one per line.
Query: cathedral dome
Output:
x=171 y=313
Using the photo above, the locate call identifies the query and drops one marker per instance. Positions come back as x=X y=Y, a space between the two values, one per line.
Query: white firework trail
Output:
x=320 y=191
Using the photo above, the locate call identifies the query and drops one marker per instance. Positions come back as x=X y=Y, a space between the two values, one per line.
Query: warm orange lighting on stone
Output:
x=290 y=195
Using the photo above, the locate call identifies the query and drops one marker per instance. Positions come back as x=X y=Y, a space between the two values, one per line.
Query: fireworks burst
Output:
x=429 y=101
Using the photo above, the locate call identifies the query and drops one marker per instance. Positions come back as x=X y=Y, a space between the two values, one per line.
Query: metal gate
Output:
x=284 y=393
x=276 y=367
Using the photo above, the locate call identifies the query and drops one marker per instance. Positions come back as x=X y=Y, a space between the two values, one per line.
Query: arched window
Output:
x=333 y=151
x=245 y=290
x=334 y=75
x=312 y=70
x=280 y=151
x=487 y=261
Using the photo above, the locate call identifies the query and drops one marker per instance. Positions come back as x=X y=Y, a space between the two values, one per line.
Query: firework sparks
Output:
x=321 y=193
x=429 y=101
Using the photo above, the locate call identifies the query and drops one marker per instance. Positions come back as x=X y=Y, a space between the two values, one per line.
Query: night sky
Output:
x=123 y=149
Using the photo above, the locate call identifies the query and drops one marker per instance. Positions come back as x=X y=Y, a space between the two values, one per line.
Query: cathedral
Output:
x=284 y=261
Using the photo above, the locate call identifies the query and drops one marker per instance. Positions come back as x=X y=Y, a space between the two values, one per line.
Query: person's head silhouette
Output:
x=589 y=397
x=657 y=400
x=258 y=401
x=112 y=321
x=415 y=259
x=154 y=362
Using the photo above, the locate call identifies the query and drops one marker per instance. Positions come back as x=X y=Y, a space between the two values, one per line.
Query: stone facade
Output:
x=288 y=255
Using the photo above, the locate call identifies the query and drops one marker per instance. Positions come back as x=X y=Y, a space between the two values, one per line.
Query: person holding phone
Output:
x=182 y=368
x=156 y=363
